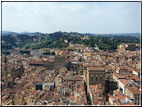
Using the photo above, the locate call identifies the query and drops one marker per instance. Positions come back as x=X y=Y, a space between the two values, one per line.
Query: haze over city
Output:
x=83 y=17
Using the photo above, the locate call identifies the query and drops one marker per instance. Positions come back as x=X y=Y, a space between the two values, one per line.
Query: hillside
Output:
x=53 y=40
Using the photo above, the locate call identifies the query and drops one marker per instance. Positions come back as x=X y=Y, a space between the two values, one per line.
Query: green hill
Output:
x=53 y=40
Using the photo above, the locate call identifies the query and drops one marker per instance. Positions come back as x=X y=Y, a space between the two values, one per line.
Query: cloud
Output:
x=95 y=17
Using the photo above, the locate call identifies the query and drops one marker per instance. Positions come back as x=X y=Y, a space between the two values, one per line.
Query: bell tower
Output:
x=5 y=72
x=60 y=59
x=63 y=45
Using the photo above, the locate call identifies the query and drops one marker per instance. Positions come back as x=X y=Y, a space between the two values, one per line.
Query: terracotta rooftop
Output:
x=118 y=75
x=42 y=69
x=125 y=82
x=137 y=70
x=36 y=62
x=7 y=91
x=96 y=93
x=133 y=89
x=77 y=77
x=119 y=98
x=120 y=103
x=96 y=68
x=81 y=100
x=71 y=97
x=88 y=64
x=28 y=85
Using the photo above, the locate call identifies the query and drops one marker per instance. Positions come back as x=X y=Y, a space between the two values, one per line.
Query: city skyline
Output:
x=82 y=17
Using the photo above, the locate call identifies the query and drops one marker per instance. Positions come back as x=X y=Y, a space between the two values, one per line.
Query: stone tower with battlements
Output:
x=60 y=59
x=5 y=72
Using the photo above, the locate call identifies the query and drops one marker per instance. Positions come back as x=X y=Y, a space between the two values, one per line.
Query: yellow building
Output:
x=7 y=102
x=88 y=53
x=58 y=82
x=58 y=52
x=128 y=46
x=27 y=89
x=71 y=47
x=18 y=98
x=31 y=100
x=63 y=70
x=110 y=56
x=25 y=96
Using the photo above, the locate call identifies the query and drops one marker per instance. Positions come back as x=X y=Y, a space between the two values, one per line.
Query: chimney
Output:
x=126 y=99
x=116 y=98
x=40 y=95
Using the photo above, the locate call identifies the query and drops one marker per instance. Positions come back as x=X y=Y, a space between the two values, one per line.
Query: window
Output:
x=96 y=77
x=91 y=77
x=100 y=77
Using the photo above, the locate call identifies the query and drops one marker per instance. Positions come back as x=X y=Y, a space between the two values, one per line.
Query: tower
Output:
x=59 y=60
x=5 y=72
x=63 y=44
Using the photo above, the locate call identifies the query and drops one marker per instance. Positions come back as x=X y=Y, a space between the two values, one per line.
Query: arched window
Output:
x=91 y=77
x=101 y=78
x=96 y=77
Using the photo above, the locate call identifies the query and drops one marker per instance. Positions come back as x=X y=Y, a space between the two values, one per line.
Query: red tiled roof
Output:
x=137 y=70
x=118 y=76
x=125 y=82
x=35 y=92
x=95 y=68
x=133 y=89
x=7 y=91
x=36 y=62
x=42 y=69
x=125 y=68
x=72 y=97
x=120 y=97
x=100 y=103
x=28 y=85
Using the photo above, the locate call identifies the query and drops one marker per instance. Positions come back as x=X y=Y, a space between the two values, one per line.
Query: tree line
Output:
x=54 y=40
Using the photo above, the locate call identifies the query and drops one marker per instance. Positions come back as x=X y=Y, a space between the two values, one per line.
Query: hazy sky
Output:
x=83 y=17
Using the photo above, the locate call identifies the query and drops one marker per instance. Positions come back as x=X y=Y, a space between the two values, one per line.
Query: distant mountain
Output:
x=35 y=34
x=90 y=34
x=112 y=34
x=66 y=33
x=126 y=34
x=25 y=32
x=4 y=33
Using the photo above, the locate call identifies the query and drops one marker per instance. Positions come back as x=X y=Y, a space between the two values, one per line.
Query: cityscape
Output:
x=70 y=68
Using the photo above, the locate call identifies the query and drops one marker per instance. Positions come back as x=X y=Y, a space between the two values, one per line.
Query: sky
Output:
x=82 y=17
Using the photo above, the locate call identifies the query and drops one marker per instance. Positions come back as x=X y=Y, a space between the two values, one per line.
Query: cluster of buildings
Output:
x=85 y=37
x=73 y=78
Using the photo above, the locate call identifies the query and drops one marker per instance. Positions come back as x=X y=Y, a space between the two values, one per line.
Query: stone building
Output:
x=10 y=72
x=134 y=92
x=59 y=62
x=128 y=47
x=60 y=59
x=96 y=75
